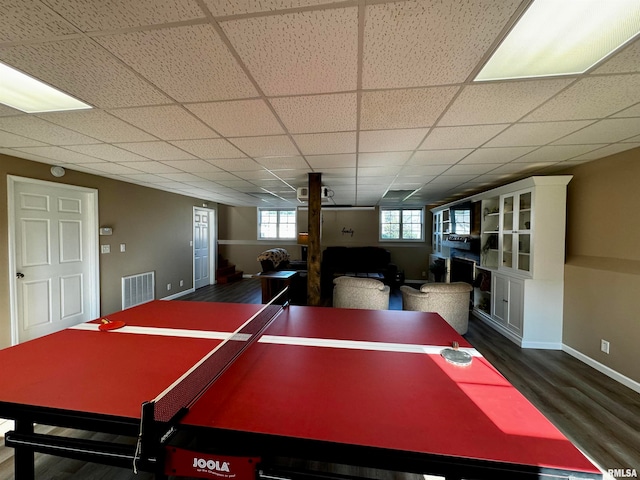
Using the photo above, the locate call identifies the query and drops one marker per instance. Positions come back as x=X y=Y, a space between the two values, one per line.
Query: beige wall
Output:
x=238 y=233
x=602 y=271
x=155 y=226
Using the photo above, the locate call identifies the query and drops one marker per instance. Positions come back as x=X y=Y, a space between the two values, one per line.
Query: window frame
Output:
x=401 y=223
x=277 y=224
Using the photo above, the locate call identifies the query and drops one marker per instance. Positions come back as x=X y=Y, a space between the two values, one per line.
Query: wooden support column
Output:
x=315 y=249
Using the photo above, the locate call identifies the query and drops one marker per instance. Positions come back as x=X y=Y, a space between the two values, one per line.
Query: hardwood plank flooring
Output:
x=601 y=416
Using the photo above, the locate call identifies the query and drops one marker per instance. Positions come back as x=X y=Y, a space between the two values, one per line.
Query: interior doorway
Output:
x=53 y=256
x=204 y=247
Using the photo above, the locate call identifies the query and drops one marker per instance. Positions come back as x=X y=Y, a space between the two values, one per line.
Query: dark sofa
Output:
x=355 y=261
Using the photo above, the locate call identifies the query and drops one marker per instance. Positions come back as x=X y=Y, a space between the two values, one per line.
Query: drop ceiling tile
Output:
x=153 y=167
x=422 y=170
x=219 y=176
x=319 y=162
x=381 y=159
x=209 y=148
x=521 y=167
x=460 y=137
x=112 y=168
x=172 y=59
x=329 y=174
x=6 y=111
x=472 y=169
x=627 y=60
x=629 y=112
x=392 y=109
x=236 y=184
x=452 y=180
x=606 y=151
x=97 y=124
x=591 y=97
x=405 y=47
x=633 y=139
x=10 y=140
x=59 y=154
x=326 y=143
x=180 y=177
x=258 y=175
x=107 y=152
x=496 y=155
x=84 y=70
x=373 y=183
x=318 y=113
x=144 y=177
x=167 y=122
x=535 y=134
x=604 y=131
x=31 y=20
x=241 y=118
x=557 y=153
x=156 y=150
x=39 y=130
x=95 y=15
x=299 y=53
x=192 y=166
x=386 y=171
x=237 y=165
x=438 y=157
x=238 y=7
x=391 y=140
x=283 y=163
x=279 y=145
x=493 y=103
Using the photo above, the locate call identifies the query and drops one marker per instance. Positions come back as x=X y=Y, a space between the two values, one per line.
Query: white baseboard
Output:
x=609 y=372
x=179 y=294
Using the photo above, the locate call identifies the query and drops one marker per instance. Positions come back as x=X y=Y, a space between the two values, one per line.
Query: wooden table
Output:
x=274 y=282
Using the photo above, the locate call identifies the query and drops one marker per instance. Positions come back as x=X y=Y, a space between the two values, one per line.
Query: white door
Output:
x=53 y=228
x=202 y=262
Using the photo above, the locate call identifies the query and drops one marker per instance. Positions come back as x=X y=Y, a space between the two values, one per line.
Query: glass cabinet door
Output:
x=506 y=248
x=524 y=232
x=516 y=231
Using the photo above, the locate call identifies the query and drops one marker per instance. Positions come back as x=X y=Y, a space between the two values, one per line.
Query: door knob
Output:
x=20 y=275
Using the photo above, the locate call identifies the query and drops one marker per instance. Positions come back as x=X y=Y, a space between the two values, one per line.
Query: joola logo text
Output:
x=212 y=466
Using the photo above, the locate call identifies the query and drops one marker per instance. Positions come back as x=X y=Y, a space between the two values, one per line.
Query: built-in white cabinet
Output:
x=520 y=275
x=508 y=298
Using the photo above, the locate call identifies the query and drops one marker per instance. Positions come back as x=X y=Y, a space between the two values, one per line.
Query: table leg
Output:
x=24 y=457
x=266 y=290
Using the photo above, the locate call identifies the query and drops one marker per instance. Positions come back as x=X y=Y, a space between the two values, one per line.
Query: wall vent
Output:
x=138 y=289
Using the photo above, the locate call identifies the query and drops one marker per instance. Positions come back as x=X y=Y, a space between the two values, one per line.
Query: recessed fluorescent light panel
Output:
x=29 y=95
x=563 y=37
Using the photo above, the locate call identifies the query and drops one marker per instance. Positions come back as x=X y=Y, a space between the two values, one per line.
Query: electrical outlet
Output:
x=168 y=286
x=604 y=346
x=182 y=283
x=105 y=248
x=123 y=247
x=424 y=274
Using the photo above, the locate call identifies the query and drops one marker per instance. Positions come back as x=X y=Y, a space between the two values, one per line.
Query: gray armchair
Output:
x=450 y=300
x=364 y=293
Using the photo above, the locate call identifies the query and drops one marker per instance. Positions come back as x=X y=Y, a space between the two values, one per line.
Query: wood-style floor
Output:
x=601 y=416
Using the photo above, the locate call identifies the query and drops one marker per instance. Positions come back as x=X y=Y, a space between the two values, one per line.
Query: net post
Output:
x=149 y=448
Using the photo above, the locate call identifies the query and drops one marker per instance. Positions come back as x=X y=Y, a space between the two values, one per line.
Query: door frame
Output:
x=213 y=244
x=93 y=295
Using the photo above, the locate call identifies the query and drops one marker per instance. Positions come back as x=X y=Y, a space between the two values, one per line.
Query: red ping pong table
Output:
x=343 y=386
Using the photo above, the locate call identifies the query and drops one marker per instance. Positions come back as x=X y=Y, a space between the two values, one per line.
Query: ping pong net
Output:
x=159 y=415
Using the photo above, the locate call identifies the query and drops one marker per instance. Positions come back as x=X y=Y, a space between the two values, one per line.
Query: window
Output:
x=401 y=224
x=276 y=223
